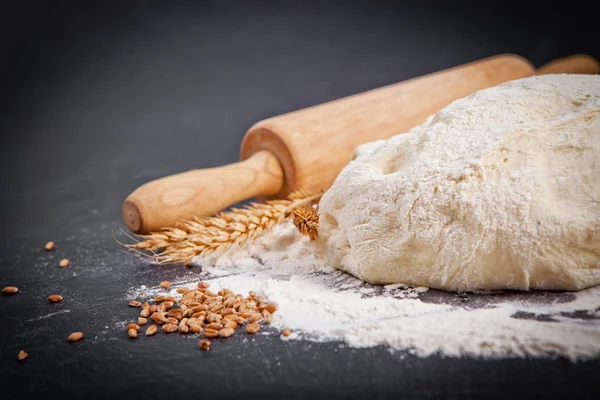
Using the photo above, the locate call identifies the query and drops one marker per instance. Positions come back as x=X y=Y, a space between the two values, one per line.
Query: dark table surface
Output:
x=96 y=100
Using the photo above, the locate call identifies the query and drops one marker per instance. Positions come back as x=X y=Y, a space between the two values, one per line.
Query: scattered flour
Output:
x=46 y=316
x=323 y=304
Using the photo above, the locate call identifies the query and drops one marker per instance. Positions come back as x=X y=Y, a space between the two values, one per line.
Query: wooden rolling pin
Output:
x=308 y=148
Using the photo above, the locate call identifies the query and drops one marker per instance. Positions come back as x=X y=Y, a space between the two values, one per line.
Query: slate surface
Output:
x=95 y=100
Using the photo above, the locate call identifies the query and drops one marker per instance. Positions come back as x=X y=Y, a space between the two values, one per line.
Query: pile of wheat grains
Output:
x=201 y=311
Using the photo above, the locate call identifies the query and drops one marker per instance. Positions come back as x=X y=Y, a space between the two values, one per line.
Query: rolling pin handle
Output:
x=179 y=197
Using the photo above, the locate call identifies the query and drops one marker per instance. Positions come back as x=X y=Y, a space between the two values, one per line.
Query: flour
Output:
x=319 y=303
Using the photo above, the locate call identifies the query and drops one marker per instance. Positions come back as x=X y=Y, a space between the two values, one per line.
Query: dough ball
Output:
x=499 y=190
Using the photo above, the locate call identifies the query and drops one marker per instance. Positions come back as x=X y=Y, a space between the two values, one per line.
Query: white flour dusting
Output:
x=322 y=304
x=42 y=317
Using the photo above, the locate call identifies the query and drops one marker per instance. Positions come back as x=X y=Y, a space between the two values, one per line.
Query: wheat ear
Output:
x=204 y=236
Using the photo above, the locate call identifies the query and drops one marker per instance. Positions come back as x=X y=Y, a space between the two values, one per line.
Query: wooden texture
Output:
x=308 y=148
x=575 y=64
x=162 y=202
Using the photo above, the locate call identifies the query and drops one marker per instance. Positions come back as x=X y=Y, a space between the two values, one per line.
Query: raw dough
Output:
x=499 y=190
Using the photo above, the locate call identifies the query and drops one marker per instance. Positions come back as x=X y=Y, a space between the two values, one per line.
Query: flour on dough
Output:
x=499 y=190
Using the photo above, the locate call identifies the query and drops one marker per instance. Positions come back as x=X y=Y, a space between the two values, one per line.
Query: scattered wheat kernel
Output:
x=199 y=308
x=75 y=336
x=50 y=246
x=253 y=328
x=152 y=329
x=159 y=318
x=216 y=308
x=165 y=284
x=133 y=325
x=169 y=328
x=195 y=328
x=215 y=325
x=182 y=290
x=142 y=321
x=203 y=285
x=240 y=321
x=286 y=332
x=172 y=320
x=22 y=354
x=145 y=313
x=212 y=317
x=255 y=318
x=210 y=333
x=10 y=290
x=271 y=307
x=230 y=324
x=183 y=328
x=153 y=308
x=269 y=318
x=227 y=311
x=205 y=344
x=135 y=303
x=252 y=293
x=159 y=299
x=64 y=263
x=132 y=333
x=55 y=298
x=226 y=332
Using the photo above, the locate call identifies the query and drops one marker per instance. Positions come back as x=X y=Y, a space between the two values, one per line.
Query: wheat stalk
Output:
x=204 y=236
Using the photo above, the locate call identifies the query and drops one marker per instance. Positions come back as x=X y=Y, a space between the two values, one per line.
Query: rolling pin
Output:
x=308 y=148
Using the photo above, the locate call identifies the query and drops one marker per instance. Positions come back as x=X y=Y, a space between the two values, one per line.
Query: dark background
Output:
x=98 y=98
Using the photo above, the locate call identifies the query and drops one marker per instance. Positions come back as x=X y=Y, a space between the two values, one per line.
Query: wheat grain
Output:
x=10 y=290
x=133 y=325
x=306 y=221
x=55 y=298
x=165 y=284
x=205 y=344
x=75 y=336
x=210 y=333
x=216 y=234
x=152 y=329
